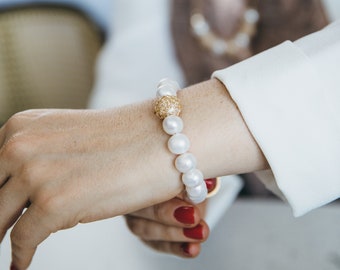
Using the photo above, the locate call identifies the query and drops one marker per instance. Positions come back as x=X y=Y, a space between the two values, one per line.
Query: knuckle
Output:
x=19 y=237
x=19 y=120
x=131 y=224
x=30 y=172
x=49 y=202
x=157 y=212
x=14 y=122
x=156 y=245
x=172 y=234
x=16 y=148
x=147 y=232
x=135 y=226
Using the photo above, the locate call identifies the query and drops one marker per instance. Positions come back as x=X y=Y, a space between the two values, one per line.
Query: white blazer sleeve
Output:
x=289 y=97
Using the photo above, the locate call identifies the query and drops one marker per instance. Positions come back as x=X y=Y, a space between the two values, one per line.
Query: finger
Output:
x=175 y=212
x=11 y=154
x=153 y=231
x=213 y=186
x=12 y=203
x=34 y=226
x=202 y=207
x=184 y=250
x=182 y=196
x=4 y=171
x=2 y=134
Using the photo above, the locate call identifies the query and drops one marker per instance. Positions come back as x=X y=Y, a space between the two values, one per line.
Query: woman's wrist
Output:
x=220 y=139
x=219 y=136
x=155 y=179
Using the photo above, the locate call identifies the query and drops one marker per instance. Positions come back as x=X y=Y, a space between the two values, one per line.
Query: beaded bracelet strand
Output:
x=167 y=108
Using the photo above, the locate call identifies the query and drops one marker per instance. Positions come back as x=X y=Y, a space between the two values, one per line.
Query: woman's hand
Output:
x=71 y=167
x=174 y=227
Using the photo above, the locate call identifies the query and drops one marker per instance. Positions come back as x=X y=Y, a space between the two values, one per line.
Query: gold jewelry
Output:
x=238 y=44
x=167 y=105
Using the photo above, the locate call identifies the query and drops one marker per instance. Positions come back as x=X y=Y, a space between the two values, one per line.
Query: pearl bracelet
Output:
x=168 y=108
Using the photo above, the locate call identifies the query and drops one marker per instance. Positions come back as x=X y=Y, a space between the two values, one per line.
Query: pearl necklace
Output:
x=235 y=46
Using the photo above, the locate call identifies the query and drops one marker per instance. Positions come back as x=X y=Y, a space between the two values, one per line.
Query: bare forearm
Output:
x=220 y=138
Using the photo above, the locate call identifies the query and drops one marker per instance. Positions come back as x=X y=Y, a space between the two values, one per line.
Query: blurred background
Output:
x=81 y=54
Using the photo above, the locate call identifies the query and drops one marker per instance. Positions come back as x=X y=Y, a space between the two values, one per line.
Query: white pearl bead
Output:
x=172 y=124
x=251 y=16
x=178 y=144
x=166 y=90
x=192 y=178
x=199 y=25
x=169 y=82
x=242 y=40
x=185 y=162
x=197 y=200
x=197 y=191
x=219 y=46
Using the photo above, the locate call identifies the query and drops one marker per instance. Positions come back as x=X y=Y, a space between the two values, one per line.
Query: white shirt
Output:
x=289 y=97
x=137 y=56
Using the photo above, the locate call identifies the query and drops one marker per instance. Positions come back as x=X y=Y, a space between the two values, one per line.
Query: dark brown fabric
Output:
x=280 y=20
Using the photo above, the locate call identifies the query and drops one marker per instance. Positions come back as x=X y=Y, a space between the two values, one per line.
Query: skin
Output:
x=157 y=227
x=78 y=166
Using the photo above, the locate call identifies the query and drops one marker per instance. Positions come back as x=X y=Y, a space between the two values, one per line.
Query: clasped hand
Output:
x=73 y=166
x=174 y=227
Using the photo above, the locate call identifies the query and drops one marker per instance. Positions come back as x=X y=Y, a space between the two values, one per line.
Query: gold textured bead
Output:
x=167 y=105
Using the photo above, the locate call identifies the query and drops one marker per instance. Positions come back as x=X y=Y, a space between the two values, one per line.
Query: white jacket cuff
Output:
x=290 y=101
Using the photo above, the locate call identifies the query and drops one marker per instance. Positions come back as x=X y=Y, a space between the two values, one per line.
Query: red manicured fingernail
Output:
x=211 y=184
x=186 y=249
x=185 y=214
x=194 y=233
x=13 y=267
